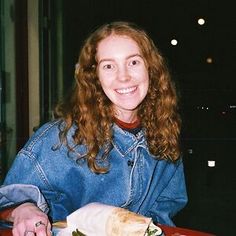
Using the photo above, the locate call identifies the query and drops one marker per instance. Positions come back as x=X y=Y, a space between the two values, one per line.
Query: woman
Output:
x=115 y=141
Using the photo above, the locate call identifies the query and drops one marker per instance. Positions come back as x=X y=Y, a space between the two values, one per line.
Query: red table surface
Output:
x=176 y=231
x=5 y=232
x=169 y=231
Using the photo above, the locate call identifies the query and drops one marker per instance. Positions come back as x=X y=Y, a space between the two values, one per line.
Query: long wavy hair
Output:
x=91 y=110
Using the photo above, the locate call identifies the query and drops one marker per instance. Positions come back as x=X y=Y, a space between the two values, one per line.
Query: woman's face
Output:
x=123 y=74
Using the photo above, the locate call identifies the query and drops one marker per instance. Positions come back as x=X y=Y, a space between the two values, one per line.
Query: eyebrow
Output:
x=128 y=57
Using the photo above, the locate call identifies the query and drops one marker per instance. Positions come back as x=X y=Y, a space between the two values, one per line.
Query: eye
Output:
x=108 y=67
x=134 y=62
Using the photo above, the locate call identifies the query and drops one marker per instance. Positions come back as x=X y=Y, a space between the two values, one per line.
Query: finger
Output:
x=49 y=229
x=29 y=233
x=22 y=230
x=41 y=231
x=40 y=228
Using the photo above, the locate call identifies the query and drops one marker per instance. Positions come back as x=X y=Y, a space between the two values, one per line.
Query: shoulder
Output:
x=47 y=134
x=170 y=168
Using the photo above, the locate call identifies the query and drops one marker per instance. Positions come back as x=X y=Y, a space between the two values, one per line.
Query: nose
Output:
x=123 y=74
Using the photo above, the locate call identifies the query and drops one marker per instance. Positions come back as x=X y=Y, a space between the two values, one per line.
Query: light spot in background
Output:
x=174 y=42
x=211 y=163
x=201 y=21
x=209 y=60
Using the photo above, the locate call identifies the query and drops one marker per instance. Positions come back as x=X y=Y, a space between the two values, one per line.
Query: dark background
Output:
x=207 y=91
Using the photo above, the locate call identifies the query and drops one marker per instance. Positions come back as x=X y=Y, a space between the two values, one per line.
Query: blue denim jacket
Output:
x=136 y=181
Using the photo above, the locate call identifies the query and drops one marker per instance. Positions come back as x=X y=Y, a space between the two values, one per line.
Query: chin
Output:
x=129 y=108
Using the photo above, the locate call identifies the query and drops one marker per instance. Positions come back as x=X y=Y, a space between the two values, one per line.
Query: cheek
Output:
x=145 y=77
x=143 y=72
x=106 y=80
x=105 y=84
x=102 y=79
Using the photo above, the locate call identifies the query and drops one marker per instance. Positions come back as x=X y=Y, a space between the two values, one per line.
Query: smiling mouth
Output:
x=126 y=90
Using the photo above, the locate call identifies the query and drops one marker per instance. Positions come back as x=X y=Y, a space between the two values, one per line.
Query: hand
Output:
x=29 y=220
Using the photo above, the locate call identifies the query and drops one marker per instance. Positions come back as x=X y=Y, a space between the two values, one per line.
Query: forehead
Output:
x=117 y=45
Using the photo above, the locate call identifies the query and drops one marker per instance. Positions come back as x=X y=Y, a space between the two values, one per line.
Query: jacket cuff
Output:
x=16 y=194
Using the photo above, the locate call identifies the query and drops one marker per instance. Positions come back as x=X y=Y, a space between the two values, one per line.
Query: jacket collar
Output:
x=125 y=142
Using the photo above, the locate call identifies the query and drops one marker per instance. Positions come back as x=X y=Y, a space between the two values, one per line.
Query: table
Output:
x=5 y=232
x=169 y=231
x=176 y=231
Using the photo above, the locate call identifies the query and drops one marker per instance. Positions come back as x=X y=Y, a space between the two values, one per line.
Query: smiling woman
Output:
x=123 y=75
x=114 y=141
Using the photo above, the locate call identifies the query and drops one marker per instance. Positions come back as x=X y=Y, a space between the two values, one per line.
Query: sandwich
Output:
x=96 y=219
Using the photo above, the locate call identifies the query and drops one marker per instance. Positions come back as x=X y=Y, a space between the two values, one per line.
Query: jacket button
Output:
x=130 y=163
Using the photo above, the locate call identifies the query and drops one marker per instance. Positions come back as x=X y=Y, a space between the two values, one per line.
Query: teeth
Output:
x=126 y=90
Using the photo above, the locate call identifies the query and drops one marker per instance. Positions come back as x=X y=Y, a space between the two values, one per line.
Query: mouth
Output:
x=126 y=90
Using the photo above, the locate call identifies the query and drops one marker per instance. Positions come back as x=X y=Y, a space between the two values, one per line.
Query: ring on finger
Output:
x=37 y=224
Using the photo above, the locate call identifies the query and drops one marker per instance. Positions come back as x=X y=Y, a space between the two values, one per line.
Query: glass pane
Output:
x=7 y=86
x=51 y=56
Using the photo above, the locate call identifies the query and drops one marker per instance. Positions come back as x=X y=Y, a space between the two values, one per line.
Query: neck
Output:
x=127 y=125
x=128 y=117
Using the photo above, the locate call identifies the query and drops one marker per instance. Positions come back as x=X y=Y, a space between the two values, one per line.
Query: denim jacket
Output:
x=46 y=172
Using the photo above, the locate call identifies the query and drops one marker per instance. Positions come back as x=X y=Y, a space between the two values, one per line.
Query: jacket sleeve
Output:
x=172 y=198
x=15 y=194
x=18 y=186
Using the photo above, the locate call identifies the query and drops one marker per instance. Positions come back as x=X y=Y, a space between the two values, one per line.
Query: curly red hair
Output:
x=92 y=111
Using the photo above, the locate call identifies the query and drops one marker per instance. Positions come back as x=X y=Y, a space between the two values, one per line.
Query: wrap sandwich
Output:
x=96 y=219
